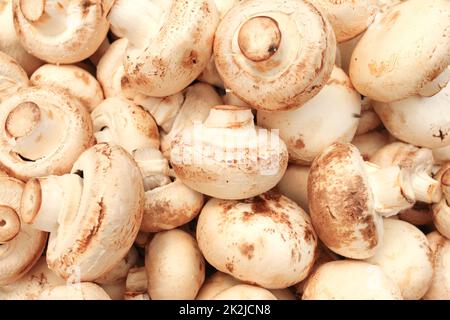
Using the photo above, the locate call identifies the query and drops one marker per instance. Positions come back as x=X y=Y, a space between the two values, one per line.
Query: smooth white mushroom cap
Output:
x=351 y=280
x=331 y=116
x=175 y=266
x=405 y=256
x=78 y=291
x=440 y=285
x=267 y=240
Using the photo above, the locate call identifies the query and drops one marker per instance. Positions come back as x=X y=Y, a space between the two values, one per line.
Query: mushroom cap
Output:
x=245 y=292
x=171 y=48
x=120 y=121
x=382 y=66
x=215 y=284
x=267 y=240
x=369 y=143
x=405 y=257
x=294 y=185
x=62 y=31
x=261 y=47
x=405 y=155
x=118 y=274
x=12 y=76
x=104 y=209
x=79 y=291
x=351 y=280
x=349 y=18
x=170 y=206
x=31 y=285
x=228 y=157
x=175 y=266
x=78 y=82
x=342 y=204
x=58 y=125
x=421 y=121
x=9 y=41
x=331 y=116
x=18 y=255
x=440 y=285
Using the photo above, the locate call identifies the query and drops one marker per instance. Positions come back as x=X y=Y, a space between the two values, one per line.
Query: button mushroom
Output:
x=382 y=66
x=351 y=280
x=170 y=50
x=43 y=131
x=440 y=285
x=245 y=292
x=331 y=116
x=12 y=76
x=20 y=245
x=267 y=240
x=227 y=156
x=294 y=185
x=79 y=291
x=61 y=31
x=136 y=286
x=261 y=47
x=441 y=210
x=95 y=205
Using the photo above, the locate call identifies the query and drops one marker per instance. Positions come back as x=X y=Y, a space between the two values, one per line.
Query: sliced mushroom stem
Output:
x=436 y=85
x=137 y=282
x=33 y=129
x=9 y=224
x=230 y=117
x=44 y=199
x=154 y=167
x=391 y=189
x=426 y=189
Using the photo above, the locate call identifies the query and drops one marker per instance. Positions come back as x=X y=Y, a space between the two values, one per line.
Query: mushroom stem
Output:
x=9 y=224
x=33 y=130
x=230 y=117
x=45 y=200
x=391 y=189
x=426 y=189
x=436 y=85
x=137 y=282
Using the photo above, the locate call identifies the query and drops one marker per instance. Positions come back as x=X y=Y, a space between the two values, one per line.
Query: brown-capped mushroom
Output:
x=440 y=285
x=61 y=31
x=76 y=81
x=382 y=66
x=170 y=50
x=261 y=48
x=267 y=240
x=43 y=132
x=331 y=116
x=227 y=156
x=100 y=200
x=20 y=245
x=77 y=291
x=12 y=76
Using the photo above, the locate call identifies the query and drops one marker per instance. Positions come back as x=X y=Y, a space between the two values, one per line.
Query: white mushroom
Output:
x=12 y=76
x=118 y=274
x=78 y=291
x=294 y=185
x=440 y=285
x=369 y=143
x=61 y=31
x=245 y=292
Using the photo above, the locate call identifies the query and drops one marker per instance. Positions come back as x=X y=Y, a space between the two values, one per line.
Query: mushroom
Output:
x=20 y=245
x=12 y=76
x=44 y=130
x=61 y=31
x=369 y=119
x=369 y=143
x=441 y=155
x=441 y=210
x=9 y=41
x=346 y=49
x=31 y=285
x=118 y=274
x=78 y=291
x=76 y=81
x=421 y=121
x=348 y=197
x=175 y=266
x=405 y=257
x=245 y=292
x=171 y=48
x=261 y=48
x=115 y=291
x=294 y=185
x=227 y=156
x=351 y=280
x=419 y=163
x=440 y=285
x=136 y=286
x=382 y=66
x=331 y=116
x=101 y=199
x=348 y=18
x=267 y=240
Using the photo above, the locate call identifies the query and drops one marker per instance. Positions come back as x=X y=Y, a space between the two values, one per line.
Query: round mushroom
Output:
x=20 y=245
x=382 y=66
x=43 y=132
x=331 y=116
x=351 y=280
x=78 y=291
x=175 y=266
x=94 y=206
x=405 y=257
x=227 y=156
x=440 y=285
x=61 y=31
x=261 y=48
x=267 y=240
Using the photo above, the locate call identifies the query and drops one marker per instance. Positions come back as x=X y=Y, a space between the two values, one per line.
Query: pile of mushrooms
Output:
x=224 y=150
